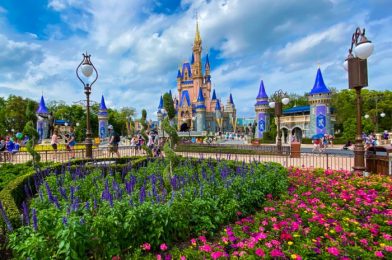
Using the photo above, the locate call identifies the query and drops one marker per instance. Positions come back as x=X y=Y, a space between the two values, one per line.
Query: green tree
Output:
x=169 y=106
x=30 y=131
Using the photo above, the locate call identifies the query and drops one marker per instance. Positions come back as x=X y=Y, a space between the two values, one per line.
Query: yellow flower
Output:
x=332 y=231
x=296 y=235
x=382 y=244
x=293 y=256
x=290 y=243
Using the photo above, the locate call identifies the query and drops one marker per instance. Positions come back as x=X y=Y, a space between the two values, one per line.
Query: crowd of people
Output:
x=9 y=145
x=322 y=143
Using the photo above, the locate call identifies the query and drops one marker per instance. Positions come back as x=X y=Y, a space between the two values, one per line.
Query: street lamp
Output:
x=356 y=66
x=279 y=98
x=87 y=69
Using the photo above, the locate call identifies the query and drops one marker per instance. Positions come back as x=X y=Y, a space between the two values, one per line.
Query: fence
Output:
x=321 y=160
x=316 y=160
x=64 y=156
x=270 y=149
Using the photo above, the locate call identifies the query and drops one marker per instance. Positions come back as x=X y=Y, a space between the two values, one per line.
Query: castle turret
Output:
x=320 y=111
x=103 y=119
x=42 y=114
x=231 y=111
x=262 y=115
x=200 y=112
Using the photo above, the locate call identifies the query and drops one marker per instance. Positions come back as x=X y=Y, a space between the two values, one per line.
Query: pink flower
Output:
x=364 y=242
x=182 y=258
x=260 y=252
x=193 y=242
x=205 y=248
x=163 y=247
x=379 y=254
x=277 y=253
x=333 y=251
x=203 y=239
x=387 y=236
x=217 y=255
x=159 y=257
x=146 y=246
x=388 y=248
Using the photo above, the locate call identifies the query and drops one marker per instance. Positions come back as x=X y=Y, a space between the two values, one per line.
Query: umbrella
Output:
x=317 y=136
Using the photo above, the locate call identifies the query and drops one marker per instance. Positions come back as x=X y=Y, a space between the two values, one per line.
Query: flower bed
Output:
x=84 y=212
x=325 y=215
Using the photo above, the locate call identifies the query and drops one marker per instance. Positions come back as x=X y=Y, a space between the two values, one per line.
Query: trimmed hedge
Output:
x=13 y=193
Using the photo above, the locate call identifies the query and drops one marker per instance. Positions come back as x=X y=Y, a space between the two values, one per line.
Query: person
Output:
x=114 y=139
x=54 y=142
x=385 y=136
x=2 y=148
x=71 y=142
x=316 y=145
x=292 y=138
x=150 y=142
x=133 y=142
x=9 y=146
x=348 y=145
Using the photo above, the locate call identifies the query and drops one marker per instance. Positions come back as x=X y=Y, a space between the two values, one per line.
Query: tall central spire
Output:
x=197 y=36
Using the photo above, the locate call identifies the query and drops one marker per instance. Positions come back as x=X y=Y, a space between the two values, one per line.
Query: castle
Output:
x=300 y=121
x=198 y=110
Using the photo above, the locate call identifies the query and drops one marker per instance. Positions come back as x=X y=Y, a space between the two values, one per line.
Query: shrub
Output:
x=98 y=213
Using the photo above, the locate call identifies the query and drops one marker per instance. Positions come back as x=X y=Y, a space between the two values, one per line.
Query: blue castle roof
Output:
x=200 y=97
x=185 y=96
x=294 y=110
x=170 y=92
x=231 y=99
x=319 y=85
x=217 y=106
x=193 y=59
x=179 y=74
x=207 y=61
x=186 y=66
x=160 y=103
x=262 y=102
x=102 y=106
x=42 y=109
x=213 y=95
x=262 y=93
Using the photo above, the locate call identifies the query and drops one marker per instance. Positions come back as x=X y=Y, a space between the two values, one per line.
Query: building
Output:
x=198 y=109
x=300 y=121
x=43 y=121
x=103 y=119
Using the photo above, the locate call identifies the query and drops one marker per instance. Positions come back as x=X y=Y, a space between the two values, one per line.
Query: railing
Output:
x=316 y=160
x=64 y=156
x=308 y=160
x=268 y=149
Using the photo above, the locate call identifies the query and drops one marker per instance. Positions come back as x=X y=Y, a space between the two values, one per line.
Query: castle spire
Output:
x=42 y=109
x=102 y=106
x=217 y=106
x=213 y=95
x=262 y=93
x=200 y=97
x=160 y=103
x=319 y=85
x=197 y=35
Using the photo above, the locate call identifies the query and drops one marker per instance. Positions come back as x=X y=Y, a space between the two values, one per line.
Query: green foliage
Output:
x=143 y=122
x=30 y=131
x=211 y=196
x=10 y=171
x=170 y=155
x=169 y=106
x=349 y=129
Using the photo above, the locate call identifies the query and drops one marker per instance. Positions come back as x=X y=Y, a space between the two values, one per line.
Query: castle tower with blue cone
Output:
x=196 y=108
x=42 y=114
x=262 y=115
x=103 y=119
x=320 y=110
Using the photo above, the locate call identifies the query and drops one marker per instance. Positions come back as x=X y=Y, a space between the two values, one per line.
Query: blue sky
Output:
x=137 y=46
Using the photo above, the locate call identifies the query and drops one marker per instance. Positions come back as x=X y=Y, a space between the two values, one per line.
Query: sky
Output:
x=137 y=46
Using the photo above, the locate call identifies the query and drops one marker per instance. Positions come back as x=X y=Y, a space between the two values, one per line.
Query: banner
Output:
x=321 y=119
x=102 y=129
x=261 y=125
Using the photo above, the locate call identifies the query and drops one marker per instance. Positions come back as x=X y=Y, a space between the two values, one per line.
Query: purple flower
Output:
x=35 y=221
x=26 y=218
x=65 y=220
x=56 y=202
x=63 y=193
x=87 y=206
x=6 y=220
x=49 y=192
x=142 y=194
